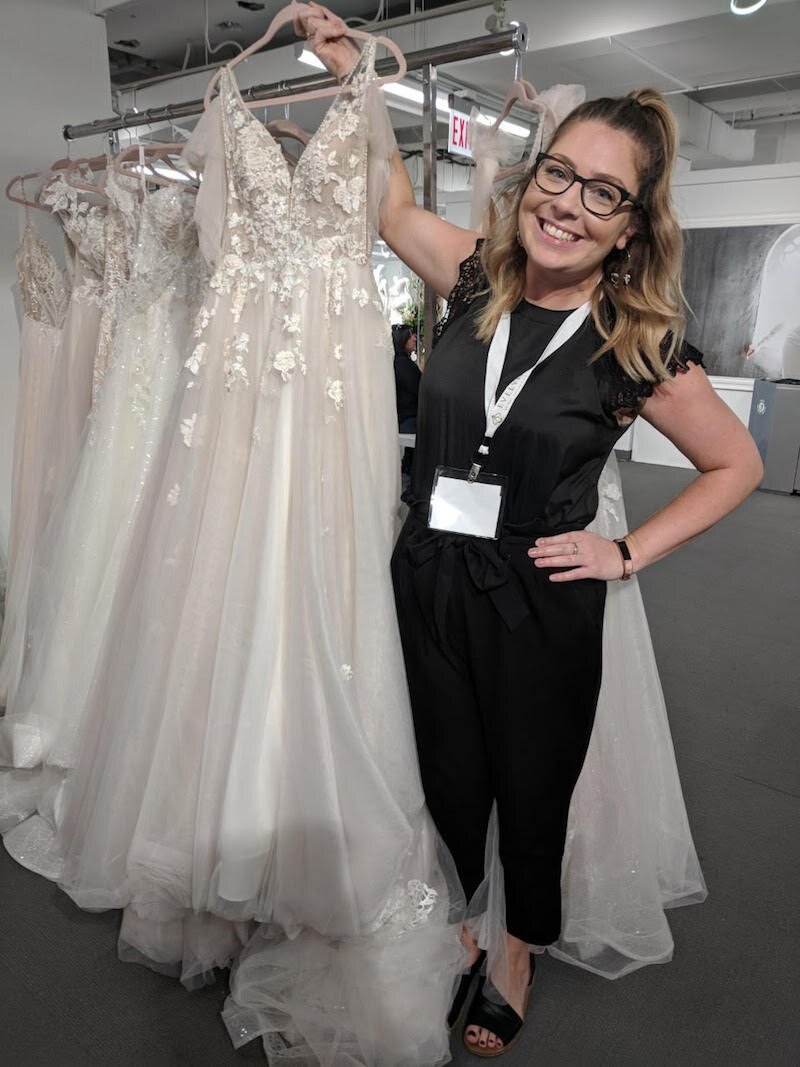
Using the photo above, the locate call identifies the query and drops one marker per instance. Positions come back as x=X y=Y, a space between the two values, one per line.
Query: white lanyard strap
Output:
x=497 y=409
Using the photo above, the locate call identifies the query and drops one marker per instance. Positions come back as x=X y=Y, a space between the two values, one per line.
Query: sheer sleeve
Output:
x=491 y=148
x=471 y=283
x=205 y=151
x=380 y=147
x=622 y=396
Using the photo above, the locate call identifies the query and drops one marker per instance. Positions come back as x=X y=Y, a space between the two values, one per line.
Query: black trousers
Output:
x=504 y=670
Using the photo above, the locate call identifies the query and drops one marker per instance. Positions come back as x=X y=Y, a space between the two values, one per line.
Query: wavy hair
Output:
x=641 y=323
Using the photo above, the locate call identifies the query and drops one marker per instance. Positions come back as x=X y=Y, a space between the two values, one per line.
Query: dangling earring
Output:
x=519 y=238
x=613 y=276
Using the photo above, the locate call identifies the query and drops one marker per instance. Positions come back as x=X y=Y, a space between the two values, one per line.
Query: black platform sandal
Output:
x=498 y=1017
x=460 y=999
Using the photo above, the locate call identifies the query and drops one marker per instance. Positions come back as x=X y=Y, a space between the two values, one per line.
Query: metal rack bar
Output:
x=428 y=192
x=513 y=38
x=280 y=41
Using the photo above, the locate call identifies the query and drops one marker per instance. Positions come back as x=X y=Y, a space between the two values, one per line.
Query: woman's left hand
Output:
x=587 y=554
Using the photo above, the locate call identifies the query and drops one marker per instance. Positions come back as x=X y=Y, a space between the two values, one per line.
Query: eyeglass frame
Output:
x=626 y=196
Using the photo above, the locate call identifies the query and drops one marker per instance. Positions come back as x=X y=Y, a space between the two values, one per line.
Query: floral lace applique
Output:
x=610 y=493
x=284 y=363
x=409 y=907
x=335 y=390
x=233 y=362
x=187 y=429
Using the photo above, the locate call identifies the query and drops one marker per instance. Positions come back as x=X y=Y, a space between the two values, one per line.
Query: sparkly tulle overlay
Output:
x=44 y=296
x=79 y=560
x=246 y=751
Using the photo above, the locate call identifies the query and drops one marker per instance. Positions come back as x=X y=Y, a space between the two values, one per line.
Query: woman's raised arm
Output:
x=428 y=245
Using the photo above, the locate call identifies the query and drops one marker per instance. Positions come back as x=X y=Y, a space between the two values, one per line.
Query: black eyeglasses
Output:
x=598 y=196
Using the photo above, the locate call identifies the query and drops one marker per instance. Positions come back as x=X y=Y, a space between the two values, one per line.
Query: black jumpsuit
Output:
x=504 y=666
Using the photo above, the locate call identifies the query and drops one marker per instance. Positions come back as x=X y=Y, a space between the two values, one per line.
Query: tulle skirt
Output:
x=34 y=456
x=246 y=752
x=629 y=850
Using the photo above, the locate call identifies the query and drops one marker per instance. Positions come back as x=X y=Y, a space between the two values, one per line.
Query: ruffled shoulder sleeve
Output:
x=205 y=151
x=622 y=396
x=381 y=145
x=470 y=284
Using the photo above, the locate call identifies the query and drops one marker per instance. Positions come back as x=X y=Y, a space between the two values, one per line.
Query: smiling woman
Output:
x=564 y=324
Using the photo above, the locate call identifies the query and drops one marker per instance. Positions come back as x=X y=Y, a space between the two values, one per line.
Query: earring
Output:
x=519 y=238
x=614 y=276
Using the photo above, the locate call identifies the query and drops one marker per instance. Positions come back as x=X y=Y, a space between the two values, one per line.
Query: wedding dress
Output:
x=247 y=750
x=44 y=295
x=86 y=544
x=61 y=404
x=85 y=228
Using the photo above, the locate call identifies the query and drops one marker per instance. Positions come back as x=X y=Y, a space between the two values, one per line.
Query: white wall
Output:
x=740 y=196
x=55 y=70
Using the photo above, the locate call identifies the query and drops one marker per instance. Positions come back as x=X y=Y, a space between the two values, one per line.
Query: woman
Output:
x=406 y=377
x=502 y=630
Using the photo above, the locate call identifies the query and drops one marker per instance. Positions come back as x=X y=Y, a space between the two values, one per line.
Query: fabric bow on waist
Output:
x=488 y=570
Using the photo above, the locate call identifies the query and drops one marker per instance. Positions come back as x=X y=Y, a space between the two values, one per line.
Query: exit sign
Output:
x=458 y=140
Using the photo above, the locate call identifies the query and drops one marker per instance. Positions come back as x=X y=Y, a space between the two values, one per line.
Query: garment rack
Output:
x=514 y=39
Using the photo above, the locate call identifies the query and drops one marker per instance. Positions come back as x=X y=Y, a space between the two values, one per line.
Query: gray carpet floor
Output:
x=725 y=619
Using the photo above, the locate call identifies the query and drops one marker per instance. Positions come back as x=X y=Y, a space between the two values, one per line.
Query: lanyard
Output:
x=497 y=409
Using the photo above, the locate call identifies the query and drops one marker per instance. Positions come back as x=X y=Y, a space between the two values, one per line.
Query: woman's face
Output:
x=562 y=239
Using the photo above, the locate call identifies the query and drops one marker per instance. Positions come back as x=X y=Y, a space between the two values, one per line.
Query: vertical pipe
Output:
x=429 y=192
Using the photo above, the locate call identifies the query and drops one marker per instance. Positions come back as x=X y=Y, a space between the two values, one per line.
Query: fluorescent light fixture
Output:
x=308 y=57
x=411 y=93
x=509 y=127
x=414 y=95
x=739 y=8
x=164 y=170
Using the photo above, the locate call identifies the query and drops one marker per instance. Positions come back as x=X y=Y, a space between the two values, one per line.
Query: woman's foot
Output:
x=513 y=985
x=475 y=960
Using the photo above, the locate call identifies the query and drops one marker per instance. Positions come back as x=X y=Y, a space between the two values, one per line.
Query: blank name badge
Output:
x=459 y=505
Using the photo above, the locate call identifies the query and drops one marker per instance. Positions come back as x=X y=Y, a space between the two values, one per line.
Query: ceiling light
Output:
x=508 y=127
x=409 y=92
x=305 y=56
x=415 y=96
x=741 y=7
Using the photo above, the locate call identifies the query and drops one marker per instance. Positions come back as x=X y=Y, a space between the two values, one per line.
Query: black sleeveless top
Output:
x=559 y=432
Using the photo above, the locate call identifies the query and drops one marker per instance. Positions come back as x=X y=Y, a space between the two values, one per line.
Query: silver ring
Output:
x=575 y=548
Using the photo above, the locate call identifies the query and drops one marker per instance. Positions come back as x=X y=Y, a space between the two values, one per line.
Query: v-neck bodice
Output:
x=43 y=286
x=276 y=219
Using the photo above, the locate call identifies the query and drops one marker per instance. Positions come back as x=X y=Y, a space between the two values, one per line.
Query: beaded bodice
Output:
x=43 y=286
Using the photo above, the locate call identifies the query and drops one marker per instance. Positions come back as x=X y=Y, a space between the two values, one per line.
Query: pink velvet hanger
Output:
x=289 y=14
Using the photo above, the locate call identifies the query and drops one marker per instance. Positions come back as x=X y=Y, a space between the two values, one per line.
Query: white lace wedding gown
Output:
x=247 y=751
x=86 y=543
x=44 y=295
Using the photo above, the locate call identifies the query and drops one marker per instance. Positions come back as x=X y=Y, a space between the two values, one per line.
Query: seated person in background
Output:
x=406 y=376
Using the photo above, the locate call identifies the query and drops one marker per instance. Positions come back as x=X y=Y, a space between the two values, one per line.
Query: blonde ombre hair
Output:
x=641 y=323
